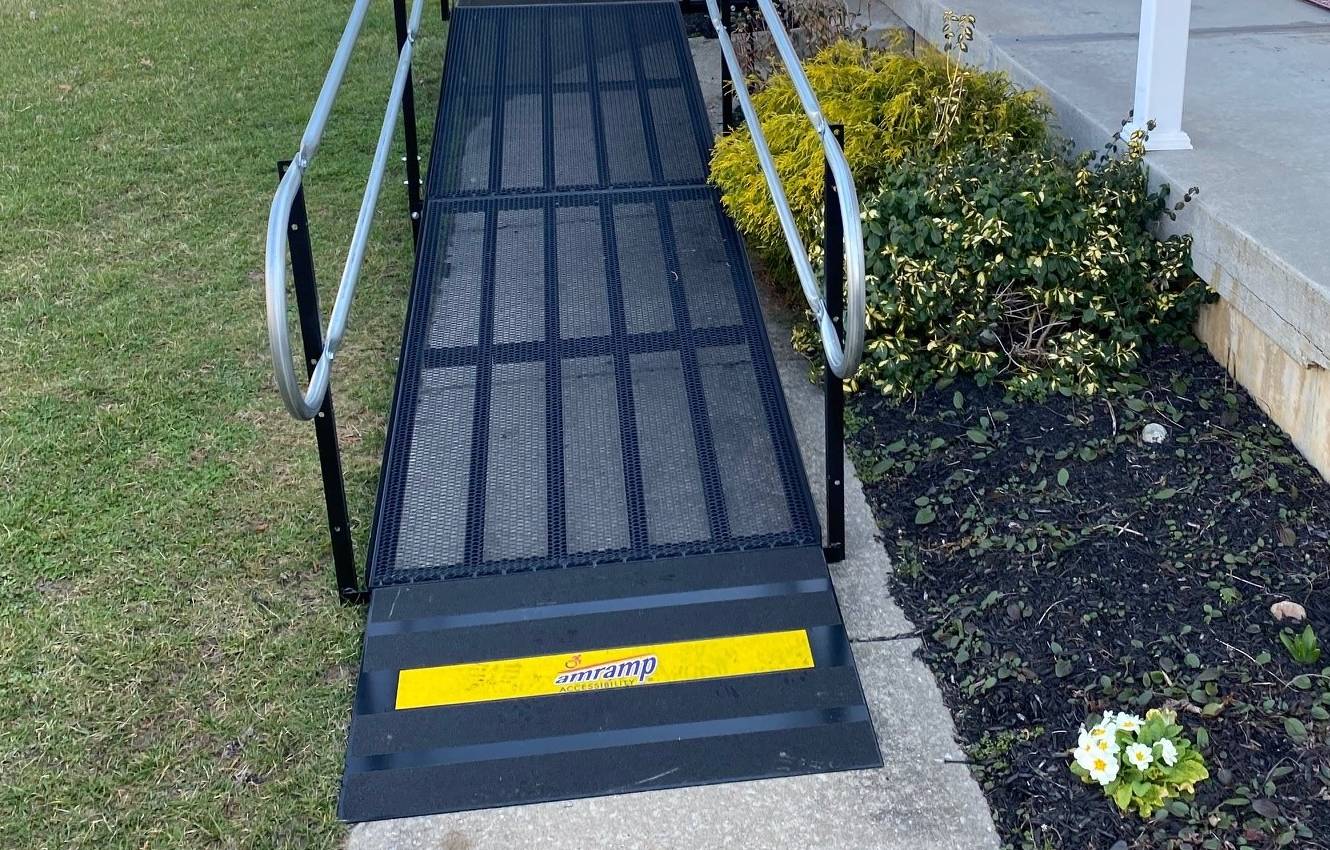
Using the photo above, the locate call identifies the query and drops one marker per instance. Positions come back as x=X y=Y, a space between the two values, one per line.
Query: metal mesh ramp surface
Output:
x=567 y=97
x=585 y=377
x=586 y=382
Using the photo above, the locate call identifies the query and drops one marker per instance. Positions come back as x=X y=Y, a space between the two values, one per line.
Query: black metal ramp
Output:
x=595 y=565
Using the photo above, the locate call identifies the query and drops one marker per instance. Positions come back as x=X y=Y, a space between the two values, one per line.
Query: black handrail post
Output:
x=325 y=423
x=834 y=414
x=445 y=9
x=726 y=82
x=412 y=158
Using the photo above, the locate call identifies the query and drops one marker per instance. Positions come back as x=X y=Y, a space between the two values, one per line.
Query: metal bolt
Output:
x=295 y=227
x=415 y=216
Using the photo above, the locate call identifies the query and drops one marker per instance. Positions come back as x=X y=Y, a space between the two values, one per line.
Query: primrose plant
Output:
x=1140 y=763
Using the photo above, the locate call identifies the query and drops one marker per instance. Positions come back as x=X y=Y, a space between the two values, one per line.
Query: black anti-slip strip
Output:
x=646 y=342
x=534 y=588
x=653 y=84
x=545 y=89
x=708 y=467
x=593 y=86
x=634 y=491
x=497 y=107
x=555 y=526
x=531 y=747
x=643 y=98
x=622 y=770
x=426 y=573
x=678 y=702
x=499 y=4
x=377 y=689
x=477 y=482
x=598 y=606
x=571 y=196
x=615 y=628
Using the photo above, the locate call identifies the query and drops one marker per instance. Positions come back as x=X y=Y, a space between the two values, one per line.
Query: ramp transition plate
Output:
x=557 y=684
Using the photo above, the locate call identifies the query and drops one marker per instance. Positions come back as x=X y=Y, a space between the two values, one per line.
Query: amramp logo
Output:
x=621 y=673
x=596 y=669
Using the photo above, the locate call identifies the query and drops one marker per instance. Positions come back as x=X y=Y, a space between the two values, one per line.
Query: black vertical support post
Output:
x=412 y=158
x=726 y=82
x=834 y=417
x=325 y=424
x=445 y=9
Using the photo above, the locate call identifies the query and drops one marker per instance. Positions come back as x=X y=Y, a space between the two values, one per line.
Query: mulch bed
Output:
x=1058 y=566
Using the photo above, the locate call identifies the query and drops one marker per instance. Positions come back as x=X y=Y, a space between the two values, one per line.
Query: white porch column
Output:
x=1161 y=73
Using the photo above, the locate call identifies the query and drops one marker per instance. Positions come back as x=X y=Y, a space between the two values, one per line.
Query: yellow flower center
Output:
x=1100 y=764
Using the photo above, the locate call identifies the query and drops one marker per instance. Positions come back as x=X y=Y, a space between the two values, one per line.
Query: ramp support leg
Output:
x=834 y=415
x=413 y=202
x=325 y=424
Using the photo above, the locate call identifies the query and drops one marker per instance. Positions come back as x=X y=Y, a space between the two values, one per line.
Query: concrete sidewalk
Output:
x=1258 y=112
x=922 y=797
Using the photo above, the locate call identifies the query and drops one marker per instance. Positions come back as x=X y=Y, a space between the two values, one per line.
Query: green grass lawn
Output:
x=176 y=668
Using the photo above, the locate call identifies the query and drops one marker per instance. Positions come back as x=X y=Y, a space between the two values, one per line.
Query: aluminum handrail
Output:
x=843 y=360
x=306 y=405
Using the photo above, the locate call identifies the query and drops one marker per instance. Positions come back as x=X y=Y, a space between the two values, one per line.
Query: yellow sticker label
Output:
x=622 y=667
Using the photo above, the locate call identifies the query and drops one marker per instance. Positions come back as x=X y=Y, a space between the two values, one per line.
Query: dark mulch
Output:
x=698 y=23
x=1145 y=579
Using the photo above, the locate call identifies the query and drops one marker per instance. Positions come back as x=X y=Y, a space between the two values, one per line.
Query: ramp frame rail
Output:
x=288 y=238
x=841 y=319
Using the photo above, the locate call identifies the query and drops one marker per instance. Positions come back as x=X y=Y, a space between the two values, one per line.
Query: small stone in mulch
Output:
x=1286 y=610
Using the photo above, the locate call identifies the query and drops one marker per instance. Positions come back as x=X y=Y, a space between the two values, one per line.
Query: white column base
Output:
x=1159 y=140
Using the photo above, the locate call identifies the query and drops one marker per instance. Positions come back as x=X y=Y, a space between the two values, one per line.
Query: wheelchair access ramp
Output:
x=596 y=567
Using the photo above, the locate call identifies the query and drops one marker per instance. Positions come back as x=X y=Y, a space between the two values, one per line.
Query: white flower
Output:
x=1103 y=769
x=1140 y=756
x=1127 y=722
x=1086 y=754
x=1168 y=752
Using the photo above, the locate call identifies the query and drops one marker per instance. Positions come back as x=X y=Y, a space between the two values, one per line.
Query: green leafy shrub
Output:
x=893 y=107
x=1024 y=267
x=1140 y=764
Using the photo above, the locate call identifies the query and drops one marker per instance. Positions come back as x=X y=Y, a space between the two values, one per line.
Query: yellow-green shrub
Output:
x=890 y=105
